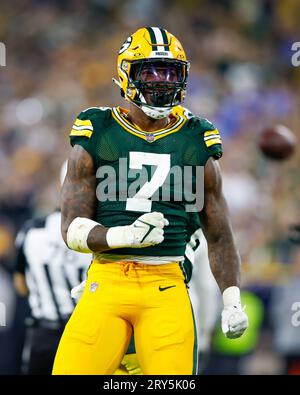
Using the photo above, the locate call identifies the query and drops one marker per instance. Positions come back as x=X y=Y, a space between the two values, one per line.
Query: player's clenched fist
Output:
x=146 y=231
x=234 y=319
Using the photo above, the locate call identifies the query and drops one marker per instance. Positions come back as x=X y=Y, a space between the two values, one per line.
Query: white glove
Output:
x=234 y=319
x=77 y=291
x=146 y=231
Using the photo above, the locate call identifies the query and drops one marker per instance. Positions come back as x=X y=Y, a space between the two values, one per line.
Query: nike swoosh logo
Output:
x=164 y=288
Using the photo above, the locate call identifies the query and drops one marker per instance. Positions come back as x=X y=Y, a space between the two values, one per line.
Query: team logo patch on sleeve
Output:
x=82 y=128
x=212 y=137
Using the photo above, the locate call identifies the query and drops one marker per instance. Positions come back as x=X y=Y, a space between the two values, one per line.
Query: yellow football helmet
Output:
x=153 y=71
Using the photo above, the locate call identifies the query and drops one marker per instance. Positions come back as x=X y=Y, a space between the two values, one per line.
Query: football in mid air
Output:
x=277 y=142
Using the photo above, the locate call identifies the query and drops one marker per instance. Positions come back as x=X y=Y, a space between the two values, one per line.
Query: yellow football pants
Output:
x=121 y=298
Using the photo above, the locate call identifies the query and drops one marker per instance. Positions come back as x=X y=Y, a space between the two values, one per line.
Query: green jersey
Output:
x=140 y=172
x=193 y=242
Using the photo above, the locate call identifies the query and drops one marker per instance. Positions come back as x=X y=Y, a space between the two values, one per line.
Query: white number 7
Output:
x=140 y=201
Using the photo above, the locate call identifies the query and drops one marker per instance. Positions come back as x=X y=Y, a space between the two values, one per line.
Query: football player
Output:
x=138 y=236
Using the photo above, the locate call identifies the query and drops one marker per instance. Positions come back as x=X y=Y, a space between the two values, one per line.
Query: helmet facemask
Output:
x=160 y=84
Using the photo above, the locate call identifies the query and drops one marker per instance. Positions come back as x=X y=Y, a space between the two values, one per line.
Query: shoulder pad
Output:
x=209 y=135
x=204 y=126
x=83 y=126
x=92 y=111
x=183 y=112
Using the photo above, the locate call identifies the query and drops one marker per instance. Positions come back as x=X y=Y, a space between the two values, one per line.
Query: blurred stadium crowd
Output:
x=61 y=56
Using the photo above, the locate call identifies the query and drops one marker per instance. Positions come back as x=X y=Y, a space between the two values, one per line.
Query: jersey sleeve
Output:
x=82 y=132
x=210 y=144
x=211 y=140
x=87 y=126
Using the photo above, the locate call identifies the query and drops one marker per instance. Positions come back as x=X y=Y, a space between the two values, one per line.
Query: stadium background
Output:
x=61 y=56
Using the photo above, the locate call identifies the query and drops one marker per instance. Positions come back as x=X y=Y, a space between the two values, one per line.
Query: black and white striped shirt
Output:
x=51 y=270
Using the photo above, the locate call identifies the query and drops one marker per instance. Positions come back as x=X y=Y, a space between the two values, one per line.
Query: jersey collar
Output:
x=119 y=114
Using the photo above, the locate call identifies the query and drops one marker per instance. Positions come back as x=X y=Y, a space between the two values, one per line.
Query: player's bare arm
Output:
x=222 y=252
x=223 y=255
x=78 y=198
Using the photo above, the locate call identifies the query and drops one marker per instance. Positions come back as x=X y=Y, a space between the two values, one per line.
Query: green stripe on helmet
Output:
x=165 y=38
x=152 y=38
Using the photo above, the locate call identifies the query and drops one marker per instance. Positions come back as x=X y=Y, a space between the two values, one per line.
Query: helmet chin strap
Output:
x=117 y=83
x=151 y=111
x=156 y=112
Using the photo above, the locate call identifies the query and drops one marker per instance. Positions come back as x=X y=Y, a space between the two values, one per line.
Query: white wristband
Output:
x=119 y=236
x=232 y=296
x=78 y=233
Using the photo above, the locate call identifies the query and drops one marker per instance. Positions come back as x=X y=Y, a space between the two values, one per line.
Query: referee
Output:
x=46 y=271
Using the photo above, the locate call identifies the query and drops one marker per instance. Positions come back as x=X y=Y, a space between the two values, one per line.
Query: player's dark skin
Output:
x=79 y=200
